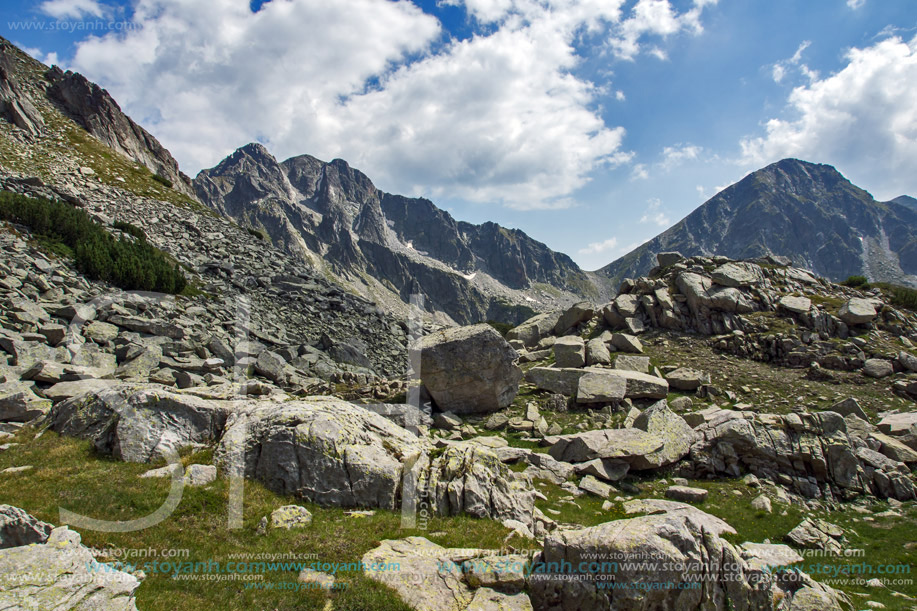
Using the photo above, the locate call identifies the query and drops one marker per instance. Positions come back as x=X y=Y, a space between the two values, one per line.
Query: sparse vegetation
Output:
x=899 y=296
x=856 y=282
x=129 y=264
x=162 y=180
x=501 y=327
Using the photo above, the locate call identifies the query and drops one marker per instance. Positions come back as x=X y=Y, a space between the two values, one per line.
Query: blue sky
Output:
x=590 y=124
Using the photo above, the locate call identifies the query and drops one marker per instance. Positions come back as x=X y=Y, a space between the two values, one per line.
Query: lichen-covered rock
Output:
x=469 y=478
x=290 y=516
x=676 y=435
x=430 y=577
x=469 y=369
x=321 y=449
x=59 y=575
x=672 y=547
x=811 y=453
x=137 y=423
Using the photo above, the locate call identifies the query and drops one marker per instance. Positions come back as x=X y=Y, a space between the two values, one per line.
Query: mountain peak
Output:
x=805 y=211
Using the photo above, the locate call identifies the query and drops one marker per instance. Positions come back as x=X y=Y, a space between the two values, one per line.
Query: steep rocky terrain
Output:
x=718 y=436
x=806 y=212
x=388 y=247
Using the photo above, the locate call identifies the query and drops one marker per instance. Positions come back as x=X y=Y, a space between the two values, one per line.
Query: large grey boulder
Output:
x=565 y=381
x=574 y=315
x=682 y=551
x=597 y=352
x=676 y=435
x=138 y=423
x=469 y=369
x=626 y=343
x=534 y=329
x=322 y=449
x=62 y=574
x=569 y=352
x=432 y=577
x=794 y=304
x=737 y=274
x=600 y=387
x=685 y=378
x=878 y=368
x=19 y=528
x=665 y=259
x=857 y=311
x=560 y=381
x=629 y=445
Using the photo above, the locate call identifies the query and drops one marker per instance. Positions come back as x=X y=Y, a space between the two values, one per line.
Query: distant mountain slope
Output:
x=387 y=247
x=804 y=211
x=905 y=200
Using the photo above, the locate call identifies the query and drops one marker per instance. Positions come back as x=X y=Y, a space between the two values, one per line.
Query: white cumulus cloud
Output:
x=599 y=247
x=499 y=117
x=861 y=119
x=72 y=9
x=654 y=214
x=673 y=156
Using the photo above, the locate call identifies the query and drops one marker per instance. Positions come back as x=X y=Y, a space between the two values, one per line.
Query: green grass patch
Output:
x=69 y=473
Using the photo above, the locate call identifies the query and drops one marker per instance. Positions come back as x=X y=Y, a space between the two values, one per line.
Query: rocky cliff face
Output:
x=94 y=109
x=389 y=246
x=807 y=212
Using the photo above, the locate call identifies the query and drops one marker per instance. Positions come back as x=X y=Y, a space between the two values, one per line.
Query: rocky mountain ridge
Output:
x=806 y=212
x=385 y=245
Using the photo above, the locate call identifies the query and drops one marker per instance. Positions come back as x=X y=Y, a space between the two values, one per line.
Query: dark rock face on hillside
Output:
x=94 y=109
x=331 y=214
x=15 y=104
x=807 y=212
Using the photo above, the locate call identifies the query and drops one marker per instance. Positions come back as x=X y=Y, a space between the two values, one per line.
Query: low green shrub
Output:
x=162 y=180
x=129 y=229
x=131 y=265
x=856 y=282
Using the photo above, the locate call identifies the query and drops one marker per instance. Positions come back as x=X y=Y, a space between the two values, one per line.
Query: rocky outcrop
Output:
x=98 y=113
x=433 y=577
x=55 y=571
x=330 y=452
x=616 y=565
x=469 y=369
x=140 y=424
x=814 y=454
x=16 y=105
x=323 y=450
x=806 y=212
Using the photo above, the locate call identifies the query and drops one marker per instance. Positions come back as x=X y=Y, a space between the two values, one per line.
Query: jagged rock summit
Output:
x=389 y=247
